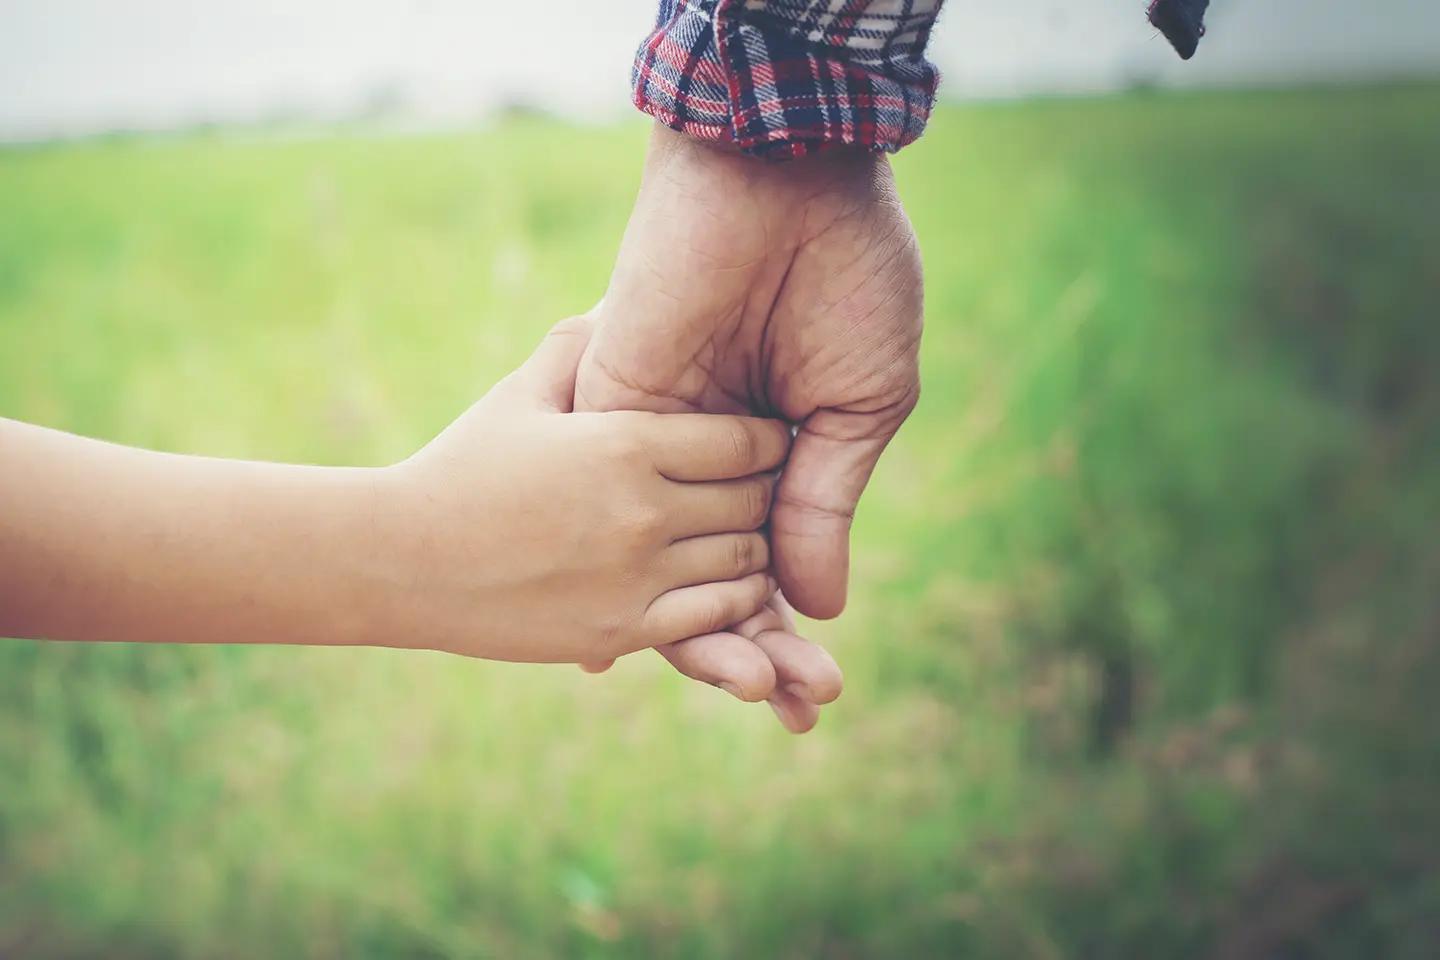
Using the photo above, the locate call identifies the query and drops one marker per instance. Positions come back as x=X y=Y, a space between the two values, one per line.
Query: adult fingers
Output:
x=803 y=669
x=831 y=461
x=796 y=715
x=759 y=658
x=724 y=660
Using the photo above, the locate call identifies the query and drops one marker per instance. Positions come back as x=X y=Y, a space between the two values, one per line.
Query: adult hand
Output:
x=782 y=290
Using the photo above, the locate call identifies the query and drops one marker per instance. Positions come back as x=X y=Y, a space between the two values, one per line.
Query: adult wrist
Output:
x=803 y=178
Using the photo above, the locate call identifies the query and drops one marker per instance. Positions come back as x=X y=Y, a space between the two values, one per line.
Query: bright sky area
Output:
x=70 y=67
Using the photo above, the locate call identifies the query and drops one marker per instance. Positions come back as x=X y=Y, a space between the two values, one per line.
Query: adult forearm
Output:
x=104 y=542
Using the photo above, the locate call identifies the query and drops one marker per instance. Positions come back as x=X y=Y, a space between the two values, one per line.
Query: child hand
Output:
x=526 y=532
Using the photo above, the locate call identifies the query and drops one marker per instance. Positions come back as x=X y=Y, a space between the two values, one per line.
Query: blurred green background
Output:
x=1144 y=637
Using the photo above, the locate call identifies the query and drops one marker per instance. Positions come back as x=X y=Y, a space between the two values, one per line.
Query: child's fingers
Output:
x=698 y=447
x=698 y=610
x=597 y=666
x=722 y=506
x=713 y=559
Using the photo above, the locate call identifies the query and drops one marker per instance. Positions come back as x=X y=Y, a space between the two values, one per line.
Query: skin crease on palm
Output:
x=790 y=290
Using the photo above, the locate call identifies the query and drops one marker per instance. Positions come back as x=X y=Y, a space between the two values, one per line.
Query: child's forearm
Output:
x=103 y=542
x=521 y=532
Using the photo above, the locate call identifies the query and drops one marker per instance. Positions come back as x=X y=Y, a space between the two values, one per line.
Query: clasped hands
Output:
x=791 y=292
x=658 y=474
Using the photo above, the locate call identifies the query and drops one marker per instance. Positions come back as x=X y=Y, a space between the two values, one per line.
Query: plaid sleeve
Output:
x=783 y=78
x=1181 y=21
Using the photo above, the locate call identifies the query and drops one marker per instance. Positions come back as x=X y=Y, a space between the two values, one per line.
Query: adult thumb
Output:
x=547 y=380
x=831 y=461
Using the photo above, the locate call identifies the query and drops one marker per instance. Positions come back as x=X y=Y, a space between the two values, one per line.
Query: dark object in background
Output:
x=1181 y=21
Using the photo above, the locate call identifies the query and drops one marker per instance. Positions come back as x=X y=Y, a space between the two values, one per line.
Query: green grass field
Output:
x=1140 y=656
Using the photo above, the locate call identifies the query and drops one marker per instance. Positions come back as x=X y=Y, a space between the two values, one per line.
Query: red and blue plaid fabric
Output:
x=783 y=78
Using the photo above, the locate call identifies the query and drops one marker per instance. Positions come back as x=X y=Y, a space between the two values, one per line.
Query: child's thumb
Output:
x=548 y=377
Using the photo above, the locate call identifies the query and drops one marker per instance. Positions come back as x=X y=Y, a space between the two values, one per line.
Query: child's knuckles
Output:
x=741 y=444
x=761 y=588
x=640 y=521
x=756 y=505
x=743 y=555
x=757 y=555
x=628 y=443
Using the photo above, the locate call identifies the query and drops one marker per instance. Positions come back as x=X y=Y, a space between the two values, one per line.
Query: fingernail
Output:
x=731 y=689
x=771 y=583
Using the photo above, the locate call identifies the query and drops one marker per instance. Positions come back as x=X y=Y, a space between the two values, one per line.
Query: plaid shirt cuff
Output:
x=783 y=78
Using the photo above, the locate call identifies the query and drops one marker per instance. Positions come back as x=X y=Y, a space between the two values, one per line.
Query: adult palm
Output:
x=790 y=290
